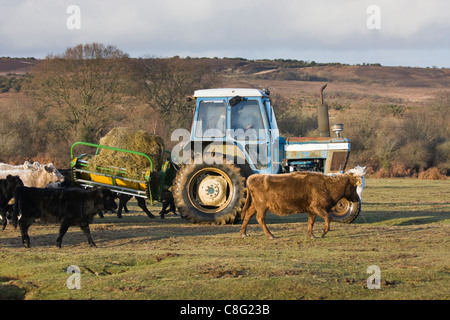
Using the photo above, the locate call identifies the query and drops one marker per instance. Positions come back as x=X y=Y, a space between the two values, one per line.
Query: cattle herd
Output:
x=69 y=207
x=31 y=192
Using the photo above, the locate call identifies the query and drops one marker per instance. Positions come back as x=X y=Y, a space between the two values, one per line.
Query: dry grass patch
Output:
x=403 y=229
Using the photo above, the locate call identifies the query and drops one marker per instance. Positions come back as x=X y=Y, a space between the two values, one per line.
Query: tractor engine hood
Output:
x=332 y=151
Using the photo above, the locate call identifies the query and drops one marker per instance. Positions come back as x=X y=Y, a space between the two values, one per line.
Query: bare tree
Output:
x=81 y=88
x=167 y=82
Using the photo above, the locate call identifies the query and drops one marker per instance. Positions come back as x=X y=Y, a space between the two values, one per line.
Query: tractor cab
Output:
x=243 y=121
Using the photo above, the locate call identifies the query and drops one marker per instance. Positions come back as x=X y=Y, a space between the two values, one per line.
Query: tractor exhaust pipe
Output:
x=322 y=116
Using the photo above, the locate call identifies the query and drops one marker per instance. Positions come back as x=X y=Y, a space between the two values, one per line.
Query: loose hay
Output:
x=135 y=140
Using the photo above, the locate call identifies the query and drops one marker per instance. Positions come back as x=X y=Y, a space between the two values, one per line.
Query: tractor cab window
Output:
x=246 y=120
x=211 y=121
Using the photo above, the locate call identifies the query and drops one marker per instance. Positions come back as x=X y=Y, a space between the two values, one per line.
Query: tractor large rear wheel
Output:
x=209 y=193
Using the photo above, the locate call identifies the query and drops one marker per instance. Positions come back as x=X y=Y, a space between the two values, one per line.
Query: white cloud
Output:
x=252 y=29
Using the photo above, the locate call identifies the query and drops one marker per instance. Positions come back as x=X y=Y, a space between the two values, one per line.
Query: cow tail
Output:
x=248 y=203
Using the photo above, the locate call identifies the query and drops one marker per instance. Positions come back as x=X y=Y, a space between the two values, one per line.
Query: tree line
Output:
x=87 y=90
x=395 y=141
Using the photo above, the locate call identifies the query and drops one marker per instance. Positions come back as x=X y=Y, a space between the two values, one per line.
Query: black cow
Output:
x=124 y=198
x=167 y=201
x=7 y=187
x=68 y=206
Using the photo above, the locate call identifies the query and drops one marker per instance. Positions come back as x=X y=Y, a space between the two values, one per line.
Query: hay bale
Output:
x=130 y=139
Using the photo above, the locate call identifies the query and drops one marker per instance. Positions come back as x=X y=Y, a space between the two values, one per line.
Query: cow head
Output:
x=354 y=182
x=108 y=199
x=14 y=181
x=54 y=176
x=358 y=171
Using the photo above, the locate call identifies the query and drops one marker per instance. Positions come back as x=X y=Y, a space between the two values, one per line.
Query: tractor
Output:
x=234 y=134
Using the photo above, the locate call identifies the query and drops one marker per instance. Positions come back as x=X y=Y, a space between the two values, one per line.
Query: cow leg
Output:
x=172 y=207
x=119 y=210
x=24 y=224
x=324 y=215
x=3 y=216
x=62 y=231
x=251 y=211
x=168 y=203
x=123 y=199
x=164 y=210
x=6 y=213
x=261 y=218
x=141 y=204
x=125 y=208
x=311 y=219
x=87 y=233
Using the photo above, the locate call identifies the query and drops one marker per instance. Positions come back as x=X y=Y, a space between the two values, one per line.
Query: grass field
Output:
x=403 y=229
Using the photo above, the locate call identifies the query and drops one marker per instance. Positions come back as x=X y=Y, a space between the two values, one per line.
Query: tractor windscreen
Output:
x=211 y=121
x=246 y=116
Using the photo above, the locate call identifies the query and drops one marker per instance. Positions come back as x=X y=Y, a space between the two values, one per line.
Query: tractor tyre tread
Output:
x=228 y=215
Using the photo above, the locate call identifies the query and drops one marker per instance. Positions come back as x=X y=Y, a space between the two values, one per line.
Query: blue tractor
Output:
x=234 y=134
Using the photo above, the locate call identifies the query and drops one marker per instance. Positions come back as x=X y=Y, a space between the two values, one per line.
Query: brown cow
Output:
x=32 y=174
x=296 y=192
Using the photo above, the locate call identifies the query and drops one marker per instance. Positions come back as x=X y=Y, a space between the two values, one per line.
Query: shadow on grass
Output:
x=401 y=217
x=134 y=229
x=137 y=228
x=10 y=291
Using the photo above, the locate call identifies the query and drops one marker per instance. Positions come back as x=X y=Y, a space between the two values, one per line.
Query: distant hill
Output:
x=333 y=72
x=299 y=79
x=346 y=83
x=16 y=66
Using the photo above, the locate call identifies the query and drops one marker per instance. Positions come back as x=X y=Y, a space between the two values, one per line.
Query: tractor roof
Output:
x=228 y=92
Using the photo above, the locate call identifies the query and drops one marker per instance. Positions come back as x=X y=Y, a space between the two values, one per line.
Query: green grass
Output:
x=403 y=229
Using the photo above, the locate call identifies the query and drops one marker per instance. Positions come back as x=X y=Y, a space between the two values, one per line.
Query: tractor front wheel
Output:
x=209 y=193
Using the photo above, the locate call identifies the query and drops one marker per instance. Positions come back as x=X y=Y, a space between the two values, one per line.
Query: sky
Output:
x=413 y=33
